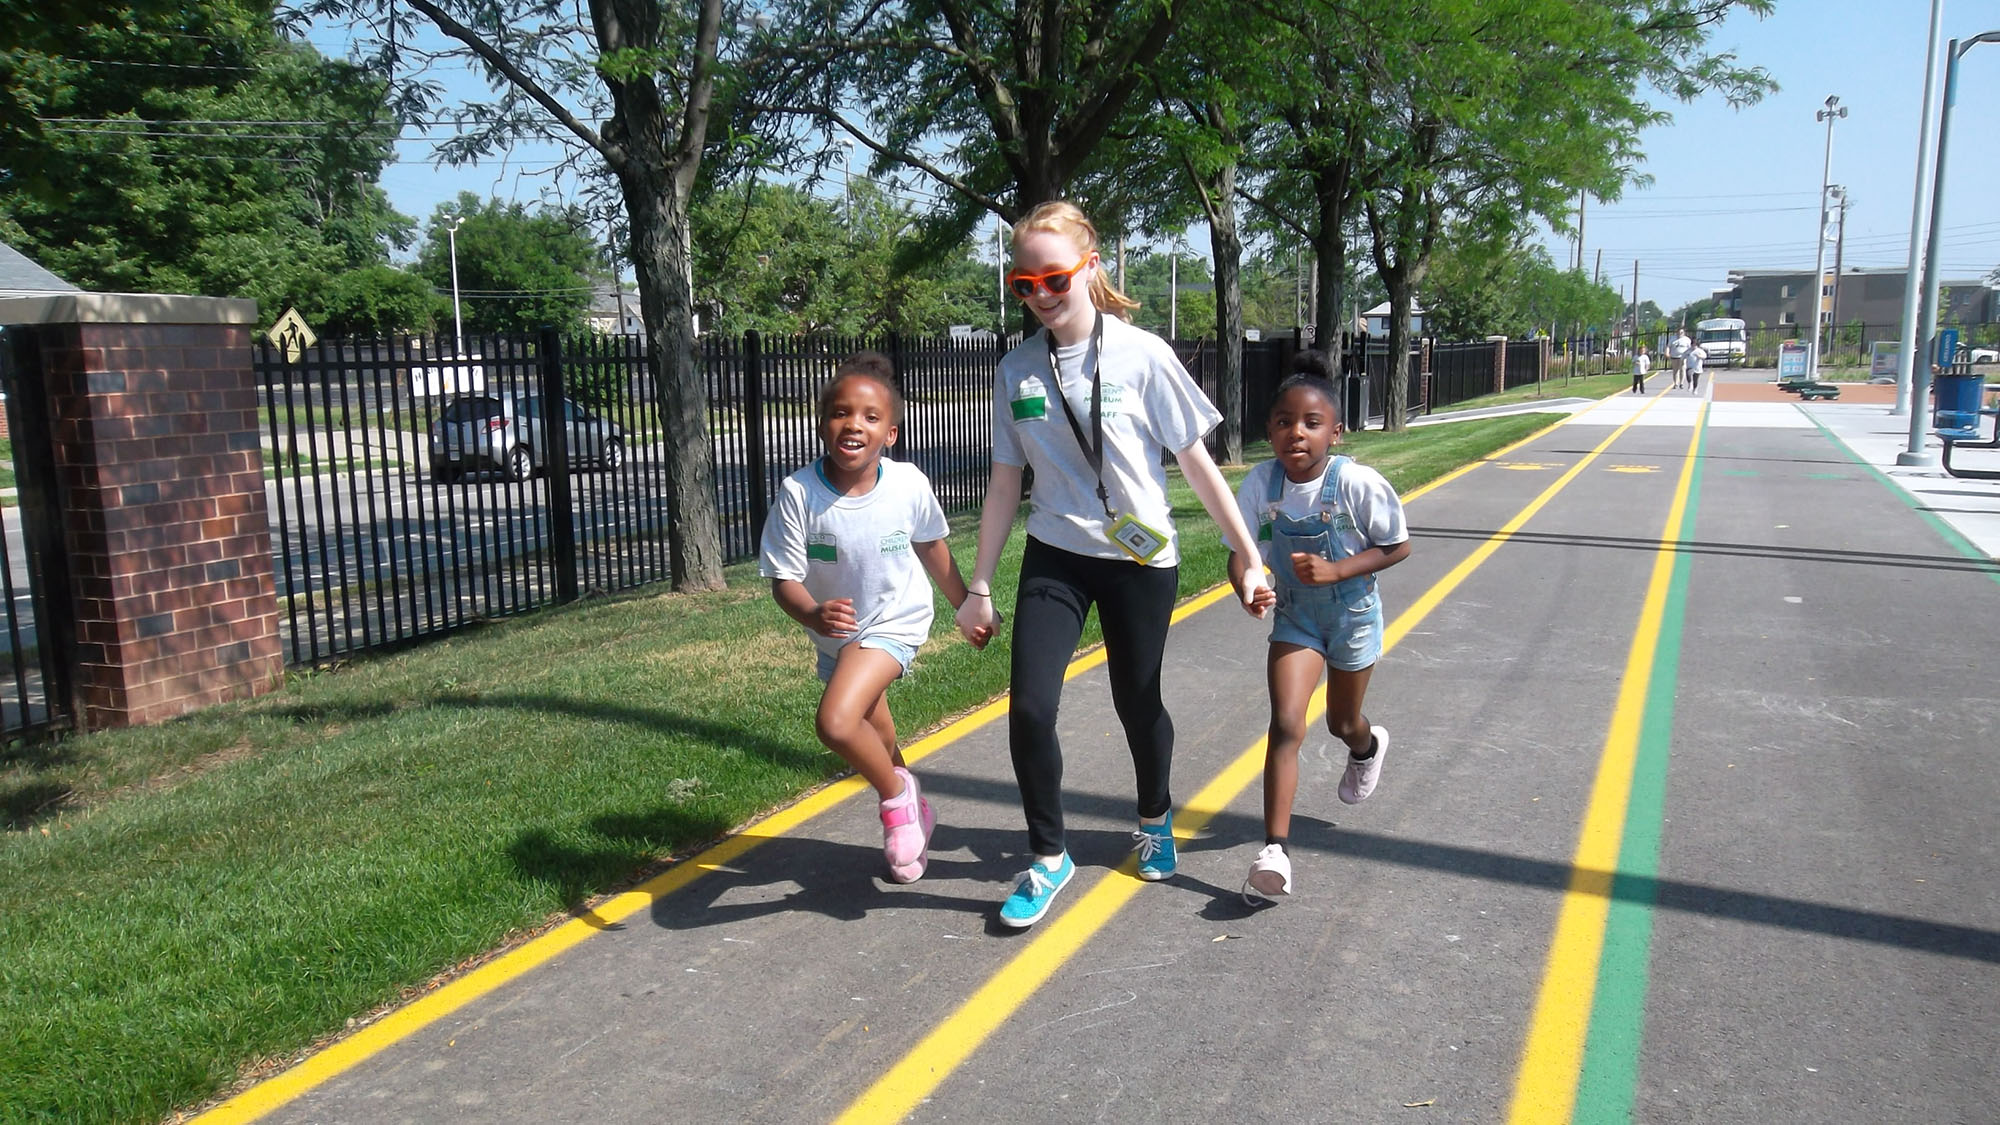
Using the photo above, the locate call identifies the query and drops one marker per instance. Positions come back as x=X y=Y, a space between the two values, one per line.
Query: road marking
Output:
x=401 y=1023
x=933 y=1059
x=1631 y=468
x=1546 y=1086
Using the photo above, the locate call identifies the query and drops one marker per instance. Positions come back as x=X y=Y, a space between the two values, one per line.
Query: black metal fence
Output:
x=411 y=495
x=34 y=667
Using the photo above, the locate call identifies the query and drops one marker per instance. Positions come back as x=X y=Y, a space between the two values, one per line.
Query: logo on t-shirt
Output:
x=896 y=543
x=822 y=548
x=1112 y=397
x=1031 y=400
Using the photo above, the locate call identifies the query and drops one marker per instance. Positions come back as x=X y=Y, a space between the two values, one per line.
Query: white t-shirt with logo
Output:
x=859 y=547
x=1371 y=501
x=1151 y=405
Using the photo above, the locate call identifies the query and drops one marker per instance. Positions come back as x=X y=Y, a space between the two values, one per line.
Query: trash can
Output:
x=1956 y=403
x=1354 y=411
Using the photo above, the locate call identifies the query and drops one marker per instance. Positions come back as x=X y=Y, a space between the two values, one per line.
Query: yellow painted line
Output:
x=1545 y=1088
x=905 y=1086
x=413 y=1017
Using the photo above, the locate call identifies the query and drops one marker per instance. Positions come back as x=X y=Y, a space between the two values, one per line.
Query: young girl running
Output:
x=846 y=548
x=1327 y=525
x=1091 y=403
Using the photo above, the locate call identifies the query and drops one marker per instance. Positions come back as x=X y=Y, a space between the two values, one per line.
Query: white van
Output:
x=1723 y=339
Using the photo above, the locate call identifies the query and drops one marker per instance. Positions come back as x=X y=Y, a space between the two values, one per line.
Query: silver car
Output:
x=476 y=433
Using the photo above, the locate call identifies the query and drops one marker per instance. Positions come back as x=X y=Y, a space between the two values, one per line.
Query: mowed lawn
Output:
x=186 y=906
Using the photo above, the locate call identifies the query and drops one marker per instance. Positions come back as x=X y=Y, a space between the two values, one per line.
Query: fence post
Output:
x=1499 y=363
x=152 y=420
x=555 y=441
x=753 y=429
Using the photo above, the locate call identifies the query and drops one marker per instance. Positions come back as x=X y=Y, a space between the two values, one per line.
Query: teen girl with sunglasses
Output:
x=1090 y=402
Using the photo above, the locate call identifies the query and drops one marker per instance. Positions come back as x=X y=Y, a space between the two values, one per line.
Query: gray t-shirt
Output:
x=858 y=547
x=1151 y=405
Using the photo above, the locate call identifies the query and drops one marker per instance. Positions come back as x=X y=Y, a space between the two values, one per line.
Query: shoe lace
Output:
x=1033 y=883
x=1149 y=844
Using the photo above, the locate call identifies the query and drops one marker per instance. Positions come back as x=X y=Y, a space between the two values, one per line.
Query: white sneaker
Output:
x=1270 y=875
x=1362 y=774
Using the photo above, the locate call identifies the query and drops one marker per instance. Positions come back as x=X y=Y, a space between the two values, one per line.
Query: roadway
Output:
x=1689 y=815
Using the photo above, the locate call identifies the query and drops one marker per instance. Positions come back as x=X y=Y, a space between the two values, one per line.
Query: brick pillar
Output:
x=153 y=415
x=1499 y=363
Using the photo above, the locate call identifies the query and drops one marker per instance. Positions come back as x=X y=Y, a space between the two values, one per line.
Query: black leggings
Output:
x=1134 y=604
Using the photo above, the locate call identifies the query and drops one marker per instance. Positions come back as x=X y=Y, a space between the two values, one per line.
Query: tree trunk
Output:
x=666 y=302
x=1226 y=245
x=1396 y=395
x=1330 y=250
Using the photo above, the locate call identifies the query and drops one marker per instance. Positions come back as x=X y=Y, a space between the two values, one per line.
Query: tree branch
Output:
x=613 y=154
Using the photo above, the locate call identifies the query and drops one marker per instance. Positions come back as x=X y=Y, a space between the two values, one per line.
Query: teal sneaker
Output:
x=1155 y=845
x=1033 y=894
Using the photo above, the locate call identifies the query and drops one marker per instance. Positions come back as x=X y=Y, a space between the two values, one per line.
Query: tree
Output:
x=650 y=72
x=1509 y=112
x=771 y=257
x=376 y=301
x=517 y=272
x=191 y=150
x=1021 y=95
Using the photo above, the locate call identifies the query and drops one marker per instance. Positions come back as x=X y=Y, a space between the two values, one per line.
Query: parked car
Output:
x=1985 y=355
x=476 y=433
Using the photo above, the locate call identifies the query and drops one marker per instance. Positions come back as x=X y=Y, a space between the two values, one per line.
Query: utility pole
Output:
x=1635 y=301
x=1579 y=232
x=1833 y=112
x=1597 y=275
x=1839 y=249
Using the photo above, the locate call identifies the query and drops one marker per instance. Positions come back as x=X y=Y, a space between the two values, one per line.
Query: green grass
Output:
x=6 y=463
x=1581 y=386
x=181 y=902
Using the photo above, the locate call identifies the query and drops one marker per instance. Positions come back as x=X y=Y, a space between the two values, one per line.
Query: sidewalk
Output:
x=1876 y=437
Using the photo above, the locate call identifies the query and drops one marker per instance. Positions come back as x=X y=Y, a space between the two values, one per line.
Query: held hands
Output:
x=1315 y=570
x=1258 y=597
x=977 y=619
x=834 y=618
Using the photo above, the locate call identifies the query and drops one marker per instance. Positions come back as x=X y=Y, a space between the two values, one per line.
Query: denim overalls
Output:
x=1342 y=621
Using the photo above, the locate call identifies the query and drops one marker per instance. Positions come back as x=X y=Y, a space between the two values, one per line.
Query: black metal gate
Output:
x=34 y=577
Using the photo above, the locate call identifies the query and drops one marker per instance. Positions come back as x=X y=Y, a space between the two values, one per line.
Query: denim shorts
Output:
x=1345 y=630
x=903 y=653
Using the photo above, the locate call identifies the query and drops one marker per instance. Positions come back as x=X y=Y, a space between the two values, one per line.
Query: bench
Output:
x=1819 y=390
x=1962 y=427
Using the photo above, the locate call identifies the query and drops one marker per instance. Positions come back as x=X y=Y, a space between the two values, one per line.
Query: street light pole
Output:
x=1906 y=347
x=452 y=223
x=1927 y=313
x=1833 y=110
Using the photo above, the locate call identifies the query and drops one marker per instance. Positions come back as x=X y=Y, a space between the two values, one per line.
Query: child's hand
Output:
x=977 y=619
x=1255 y=589
x=1314 y=570
x=835 y=618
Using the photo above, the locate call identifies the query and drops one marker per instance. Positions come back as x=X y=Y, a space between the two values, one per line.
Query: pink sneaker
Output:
x=906 y=830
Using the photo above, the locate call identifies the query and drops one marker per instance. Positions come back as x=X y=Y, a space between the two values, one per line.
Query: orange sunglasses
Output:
x=1055 y=281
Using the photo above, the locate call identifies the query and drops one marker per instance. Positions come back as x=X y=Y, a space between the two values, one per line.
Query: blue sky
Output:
x=1731 y=189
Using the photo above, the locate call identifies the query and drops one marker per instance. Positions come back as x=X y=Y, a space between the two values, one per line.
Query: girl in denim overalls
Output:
x=1326 y=525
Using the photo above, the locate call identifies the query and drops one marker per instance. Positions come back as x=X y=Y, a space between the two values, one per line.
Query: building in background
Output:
x=21 y=277
x=1781 y=300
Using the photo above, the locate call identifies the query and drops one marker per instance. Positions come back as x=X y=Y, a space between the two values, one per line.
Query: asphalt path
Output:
x=1688 y=816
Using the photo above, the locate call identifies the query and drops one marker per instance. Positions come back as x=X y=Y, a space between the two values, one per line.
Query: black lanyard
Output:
x=1093 y=449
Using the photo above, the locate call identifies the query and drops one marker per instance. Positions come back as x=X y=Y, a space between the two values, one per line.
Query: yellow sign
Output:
x=291 y=335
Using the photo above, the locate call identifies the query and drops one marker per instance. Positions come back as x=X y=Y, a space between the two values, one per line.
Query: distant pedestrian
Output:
x=1677 y=350
x=847 y=547
x=1327 y=525
x=1642 y=364
x=1092 y=403
x=1695 y=354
